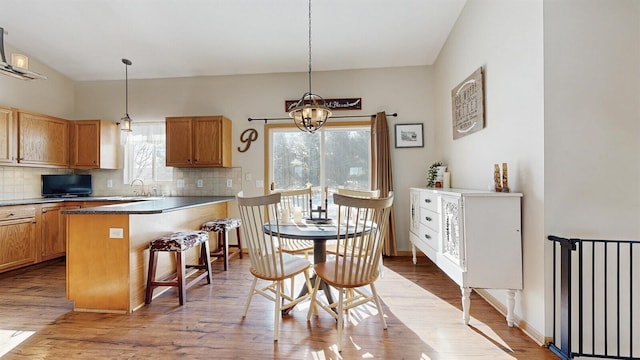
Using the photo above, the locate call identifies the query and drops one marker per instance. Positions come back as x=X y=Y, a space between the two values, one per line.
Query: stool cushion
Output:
x=221 y=225
x=179 y=241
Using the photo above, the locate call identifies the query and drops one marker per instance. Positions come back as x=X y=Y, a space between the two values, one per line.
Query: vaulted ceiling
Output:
x=86 y=39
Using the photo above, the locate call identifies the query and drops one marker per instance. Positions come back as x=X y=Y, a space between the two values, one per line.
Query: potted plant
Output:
x=435 y=170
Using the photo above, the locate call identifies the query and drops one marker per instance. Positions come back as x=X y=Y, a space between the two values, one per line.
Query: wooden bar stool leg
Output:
x=239 y=241
x=181 y=272
x=222 y=240
x=205 y=259
x=151 y=276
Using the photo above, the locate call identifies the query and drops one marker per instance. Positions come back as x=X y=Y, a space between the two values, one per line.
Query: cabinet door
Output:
x=414 y=216
x=452 y=231
x=85 y=144
x=53 y=231
x=207 y=141
x=43 y=140
x=7 y=154
x=179 y=141
x=17 y=245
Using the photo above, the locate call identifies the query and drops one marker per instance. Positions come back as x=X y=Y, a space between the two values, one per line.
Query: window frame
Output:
x=270 y=129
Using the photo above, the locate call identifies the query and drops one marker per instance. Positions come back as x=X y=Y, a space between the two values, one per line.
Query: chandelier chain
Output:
x=309 y=46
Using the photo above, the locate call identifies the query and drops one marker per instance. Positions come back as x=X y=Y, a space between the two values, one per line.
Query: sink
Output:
x=132 y=198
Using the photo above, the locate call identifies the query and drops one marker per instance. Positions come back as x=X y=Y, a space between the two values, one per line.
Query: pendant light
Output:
x=125 y=121
x=310 y=112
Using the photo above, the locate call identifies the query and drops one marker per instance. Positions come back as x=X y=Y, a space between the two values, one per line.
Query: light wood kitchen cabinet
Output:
x=42 y=140
x=18 y=245
x=198 y=141
x=93 y=144
x=52 y=230
x=474 y=236
x=7 y=136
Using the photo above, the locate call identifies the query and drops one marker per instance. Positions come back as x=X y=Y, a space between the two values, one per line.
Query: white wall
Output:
x=592 y=120
x=407 y=91
x=54 y=96
x=504 y=37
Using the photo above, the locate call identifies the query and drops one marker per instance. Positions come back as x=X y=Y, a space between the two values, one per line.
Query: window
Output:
x=145 y=153
x=336 y=156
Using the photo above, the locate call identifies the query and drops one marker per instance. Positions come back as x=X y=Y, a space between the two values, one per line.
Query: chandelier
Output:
x=310 y=113
x=125 y=121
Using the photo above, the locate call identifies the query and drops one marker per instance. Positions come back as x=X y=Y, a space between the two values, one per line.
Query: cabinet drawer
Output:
x=19 y=212
x=430 y=219
x=429 y=236
x=429 y=201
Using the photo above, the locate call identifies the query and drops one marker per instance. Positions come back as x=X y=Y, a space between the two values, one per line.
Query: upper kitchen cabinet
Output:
x=7 y=136
x=42 y=140
x=93 y=144
x=198 y=141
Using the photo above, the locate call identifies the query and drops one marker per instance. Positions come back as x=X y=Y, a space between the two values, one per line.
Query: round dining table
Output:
x=319 y=233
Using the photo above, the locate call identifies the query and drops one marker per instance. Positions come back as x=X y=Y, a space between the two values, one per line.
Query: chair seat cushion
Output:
x=221 y=225
x=179 y=241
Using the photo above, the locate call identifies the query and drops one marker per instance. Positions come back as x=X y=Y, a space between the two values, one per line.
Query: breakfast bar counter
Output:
x=107 y=247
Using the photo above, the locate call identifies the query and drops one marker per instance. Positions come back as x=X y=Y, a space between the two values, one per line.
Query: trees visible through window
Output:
x=145 y=153
x=335 y=156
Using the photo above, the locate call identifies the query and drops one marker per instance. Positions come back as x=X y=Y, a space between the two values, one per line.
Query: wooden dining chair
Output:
x=290 y=200
x=369 y=194
x=359 y=267
x=267 y=261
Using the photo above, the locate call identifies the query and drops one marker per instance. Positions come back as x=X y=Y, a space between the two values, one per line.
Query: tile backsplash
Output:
x=24 y=183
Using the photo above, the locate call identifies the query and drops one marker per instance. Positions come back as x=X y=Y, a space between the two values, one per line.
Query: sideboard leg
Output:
x=511 y=301
x=413 y=251
x=466 y=304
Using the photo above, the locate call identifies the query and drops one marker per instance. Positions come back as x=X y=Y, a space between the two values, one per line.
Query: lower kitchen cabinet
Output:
x=18 y=240
x=52 y=230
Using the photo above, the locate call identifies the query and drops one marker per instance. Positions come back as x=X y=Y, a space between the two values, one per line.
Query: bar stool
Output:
x=178 y=243
x=222 y=228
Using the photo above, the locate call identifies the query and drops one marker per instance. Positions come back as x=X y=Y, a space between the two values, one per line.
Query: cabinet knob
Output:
x=427 y=218
x=427 y=201
x=427 y=236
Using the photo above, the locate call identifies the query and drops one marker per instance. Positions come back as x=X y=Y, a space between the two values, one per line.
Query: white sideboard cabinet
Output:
x=474 y=236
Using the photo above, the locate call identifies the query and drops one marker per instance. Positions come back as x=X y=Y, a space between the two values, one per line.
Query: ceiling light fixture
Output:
x=18 y=70
x=310 y=112
x=125 y=121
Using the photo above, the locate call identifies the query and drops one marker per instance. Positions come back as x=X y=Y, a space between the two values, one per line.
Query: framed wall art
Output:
x=409 y=136
x=467 y=103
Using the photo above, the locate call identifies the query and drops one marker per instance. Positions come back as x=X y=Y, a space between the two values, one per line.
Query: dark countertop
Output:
x=130 y=205
x=153 y=205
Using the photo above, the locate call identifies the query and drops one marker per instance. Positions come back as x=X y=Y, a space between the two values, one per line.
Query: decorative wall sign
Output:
x=409 y=135
x=467 y=102
x=333 y=104
x=247 y=137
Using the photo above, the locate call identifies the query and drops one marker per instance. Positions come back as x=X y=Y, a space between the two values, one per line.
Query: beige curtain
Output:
x=382 y=177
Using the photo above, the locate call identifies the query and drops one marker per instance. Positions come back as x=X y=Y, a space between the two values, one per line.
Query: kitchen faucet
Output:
x=141 y=193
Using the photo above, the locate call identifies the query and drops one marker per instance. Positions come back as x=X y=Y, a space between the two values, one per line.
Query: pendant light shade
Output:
x=125 y=121
x=310 y=112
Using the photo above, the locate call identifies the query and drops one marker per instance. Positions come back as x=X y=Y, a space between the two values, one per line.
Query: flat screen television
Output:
x=66 y=185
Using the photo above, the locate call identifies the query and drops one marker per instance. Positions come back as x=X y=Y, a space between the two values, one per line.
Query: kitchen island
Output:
x=107 y=247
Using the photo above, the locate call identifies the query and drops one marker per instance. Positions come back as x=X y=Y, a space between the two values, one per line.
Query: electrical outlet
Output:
x=109 y=183
x=229 y=183
x=199 y=183
x=180 y=183
x=116 y=233
x=247 y=176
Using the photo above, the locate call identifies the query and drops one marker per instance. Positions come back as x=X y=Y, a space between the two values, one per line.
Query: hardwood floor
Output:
x=422 y=307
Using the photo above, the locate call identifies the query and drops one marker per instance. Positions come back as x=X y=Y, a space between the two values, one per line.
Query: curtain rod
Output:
x=333 y=117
